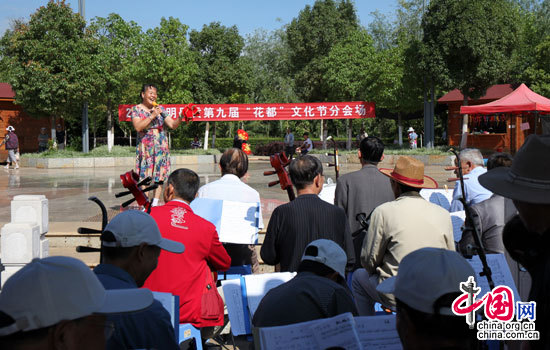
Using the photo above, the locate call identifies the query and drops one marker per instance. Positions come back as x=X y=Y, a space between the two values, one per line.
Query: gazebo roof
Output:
x=493 y=93
x=6 y=91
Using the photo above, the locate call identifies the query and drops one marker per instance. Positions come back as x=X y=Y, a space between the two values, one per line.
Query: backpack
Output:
x=11 y=141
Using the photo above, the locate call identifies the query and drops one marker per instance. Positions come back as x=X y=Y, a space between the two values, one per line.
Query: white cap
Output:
x=10 y=128
x=47 y=291
x=425 y=275
x=133 y=227
x=410 y=129
x=329 y=253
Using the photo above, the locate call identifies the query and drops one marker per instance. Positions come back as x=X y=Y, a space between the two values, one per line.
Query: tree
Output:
x=119 y=45
x=468 y=45
x=539 y=72
x=51 y=60
x=225 y=75
x=311 y=36
x=166 y=60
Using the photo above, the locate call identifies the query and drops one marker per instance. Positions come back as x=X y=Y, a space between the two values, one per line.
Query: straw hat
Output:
x=528 y=180
x=410 y=171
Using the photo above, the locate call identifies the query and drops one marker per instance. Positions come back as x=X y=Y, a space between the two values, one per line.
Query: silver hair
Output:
x=473 y=155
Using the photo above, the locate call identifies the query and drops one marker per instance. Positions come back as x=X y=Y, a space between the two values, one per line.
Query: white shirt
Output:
x=309 y=144
x=231 y=188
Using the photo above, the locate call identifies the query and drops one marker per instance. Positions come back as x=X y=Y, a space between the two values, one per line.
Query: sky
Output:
x=247 y=15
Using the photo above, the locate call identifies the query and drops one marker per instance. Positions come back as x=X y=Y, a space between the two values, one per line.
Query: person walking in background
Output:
x=60 y=137
x=413 y=137
x=289 y=143
x=152 y=152
x=12 y=146
x=43 y=139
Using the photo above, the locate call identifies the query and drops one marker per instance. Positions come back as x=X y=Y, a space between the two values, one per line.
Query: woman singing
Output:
x=152 y=152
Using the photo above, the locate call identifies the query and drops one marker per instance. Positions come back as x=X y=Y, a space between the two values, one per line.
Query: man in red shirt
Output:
x=188 y=275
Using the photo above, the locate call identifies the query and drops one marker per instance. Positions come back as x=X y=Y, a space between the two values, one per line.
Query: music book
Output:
x=342 y=331
x=500 y=272
x=236 y=222
x=241 y=307
x=441 y=197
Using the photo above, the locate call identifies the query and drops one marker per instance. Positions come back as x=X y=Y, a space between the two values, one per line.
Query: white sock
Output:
x=155 y=202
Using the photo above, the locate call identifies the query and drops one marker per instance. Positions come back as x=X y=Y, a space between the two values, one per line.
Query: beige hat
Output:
x=410 y=171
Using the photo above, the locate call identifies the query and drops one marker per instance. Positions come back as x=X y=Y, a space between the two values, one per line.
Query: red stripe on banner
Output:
x=268 y=111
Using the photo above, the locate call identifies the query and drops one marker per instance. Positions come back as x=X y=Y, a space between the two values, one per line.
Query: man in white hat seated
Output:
x=527 y=236
x=131 y=245
x=427 y=282
x=318 y=291
x=471 y=161
x=58 y=303
x=397 y=228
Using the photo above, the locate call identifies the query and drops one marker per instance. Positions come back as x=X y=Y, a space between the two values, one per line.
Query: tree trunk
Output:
x=400 y=129
x=130 y=139
x=464 y=139
x=205 y=144
x=52 y=122
x=213 y=135
x=350 y=126
x=169 y=140
x=95 y=140
x=110 y=128
x=322 y=134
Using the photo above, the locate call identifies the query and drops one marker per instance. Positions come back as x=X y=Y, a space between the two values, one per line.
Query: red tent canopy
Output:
x=521 y=99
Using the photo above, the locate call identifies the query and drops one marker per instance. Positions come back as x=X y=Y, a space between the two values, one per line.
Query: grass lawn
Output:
x=117 y=151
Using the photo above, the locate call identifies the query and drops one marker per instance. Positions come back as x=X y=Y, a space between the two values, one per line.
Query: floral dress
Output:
x=152 y=152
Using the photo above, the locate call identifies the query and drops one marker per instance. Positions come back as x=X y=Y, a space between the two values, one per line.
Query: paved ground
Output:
x=67 y=190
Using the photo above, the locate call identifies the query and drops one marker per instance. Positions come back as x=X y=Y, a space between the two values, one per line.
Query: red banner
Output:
x=268 y=111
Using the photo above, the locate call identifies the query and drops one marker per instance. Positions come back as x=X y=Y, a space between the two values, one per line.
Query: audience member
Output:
x=413 y=138
x=527 y=236
x=12 y=146
x=43 y=139
x=131 y=245
x=471 y=162
x=318 y=290
x=58 y=303
x=234 y=166
x=427 y=282
x=363 y=190
x=189 y=275
x=60 y=137
x=296 y=224
x=397 y=228
x=306 y=146
x=195 y=144
x=289 y=143
x=490 y=215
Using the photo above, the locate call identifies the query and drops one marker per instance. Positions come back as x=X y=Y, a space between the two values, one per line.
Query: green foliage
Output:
x=468 y=44
x=311 y=36
x=51 y=61
x=539 y=72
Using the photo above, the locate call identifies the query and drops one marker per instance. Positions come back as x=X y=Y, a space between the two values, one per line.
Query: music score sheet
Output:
x=345 y=331
x=236 y=222
x=256 y=288
x=441 y=197
x=500 y=272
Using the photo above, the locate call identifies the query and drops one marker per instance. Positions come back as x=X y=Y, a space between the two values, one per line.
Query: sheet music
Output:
x=441 y=197
x=312 y=335
x=292 y=337
x=328 y=193
x=234 y=301
x=236 y=222
x=378 y=332
x=457 y=219
x=239 y=222
x=338 y=331
x=258 y=285
x=500 y=272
